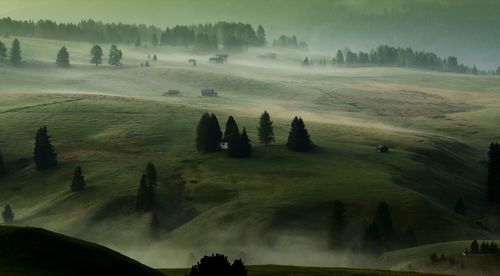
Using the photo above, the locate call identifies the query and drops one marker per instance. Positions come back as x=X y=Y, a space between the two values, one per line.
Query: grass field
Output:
x=112 y=121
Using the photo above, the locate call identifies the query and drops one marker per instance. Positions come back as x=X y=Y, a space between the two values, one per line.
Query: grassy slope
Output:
x=34 y=251
x=272 y=199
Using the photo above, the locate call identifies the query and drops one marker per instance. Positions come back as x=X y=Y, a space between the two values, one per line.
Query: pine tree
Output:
x=266 y=129
x=151 y=174
x=202 y=133
x=460 y=207
x=383 y=219
x=144 y=201
x=214 y=134
x=15 y=53
x=244 y=147
x=493 y=180
x=3 y=50
x=340 y=57
x=63 y=57
x=238 y=268
x=45 y=156
x=298 y=138
x=3 y=171
x=337 y=225
x=97 y=54
x=231 y=126
x=474 y=247
x=115 y=56
x=155 y=58
x=7 y=214
x=261 y=36
x=475 y=71
x=233 y=141
x=154 y=40
x=78 y=182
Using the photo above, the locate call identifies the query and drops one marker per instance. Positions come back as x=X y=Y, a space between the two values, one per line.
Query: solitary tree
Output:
x=298 y=138
x=337 y=224
x=15 y=52
x=115 y=56
x=266 y=129
x=63 y=57
x=3 y=50
x=78 y=182
x=44 y=154
x=460 y=207
x=96 y=53
x=7 y=214
x=2 y=166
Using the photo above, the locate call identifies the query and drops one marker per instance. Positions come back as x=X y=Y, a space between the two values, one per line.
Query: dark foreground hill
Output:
x=34 y=251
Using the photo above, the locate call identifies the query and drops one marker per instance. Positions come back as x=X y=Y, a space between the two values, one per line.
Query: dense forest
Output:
x=230 y=35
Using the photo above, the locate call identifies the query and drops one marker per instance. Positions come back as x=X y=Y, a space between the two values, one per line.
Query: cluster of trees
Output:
x=378 y=236
x=493 y=181
x=209 y=137
x=14 y=54
x=289 y=42
x=483 y=248
x=231 y=35
x=218 y=264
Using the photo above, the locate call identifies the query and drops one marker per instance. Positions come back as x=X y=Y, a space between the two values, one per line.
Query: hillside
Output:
x=112 y=121
x=34 y=251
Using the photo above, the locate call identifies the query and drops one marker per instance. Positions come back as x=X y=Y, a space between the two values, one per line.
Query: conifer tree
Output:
x=266 y=129
x=460 y=207
x=45 y=156
x=238 y=268
x=214 y=134
x=63 y=57
x=383 y=219
x=155 y=58
x=337 y=225
x=142 y=203
x=233 y=141
x=7 y=214
x=493 y=180
x=3 y=50
x=475 y=71
x=3 y=171
x=340 y=57
x=96 y=53
x=474 y=247
x=78 y=182
x=151 y=174
x=298 y=138
x=261 y=36
x=244 y=147
x=231 y=126
x=15 y=52
x=115 y=56
x=202 y=133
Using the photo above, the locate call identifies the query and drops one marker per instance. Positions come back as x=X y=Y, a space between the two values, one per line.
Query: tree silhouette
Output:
x=244 y=147
x=15 y=52
x=298 y=138
x=372 y=241
x=78 y=182
x=218 y=265
x=45 y=156
x=63 y=57
x=337 y=225
x=266 y=129
x=460 y=207
x=3 y=50
x=151 y=174
x=208 y=134
x=96 y=53
x=115 y=56
x=383 y=219
x=7 y=214
x=231 y=126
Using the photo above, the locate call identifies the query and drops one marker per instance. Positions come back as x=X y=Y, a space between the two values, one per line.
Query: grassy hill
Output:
x=112 y=121
x=34 y=251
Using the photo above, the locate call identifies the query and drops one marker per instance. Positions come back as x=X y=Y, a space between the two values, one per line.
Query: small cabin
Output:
x=224 y=145
x=172 y=92
x=208 y=93
x=218 y=60
x=382 y=149
x=192 y=61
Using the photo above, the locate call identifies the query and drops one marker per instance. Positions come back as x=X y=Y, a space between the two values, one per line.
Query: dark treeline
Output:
x=230 y=35
x=402 y=57
x=289 y=42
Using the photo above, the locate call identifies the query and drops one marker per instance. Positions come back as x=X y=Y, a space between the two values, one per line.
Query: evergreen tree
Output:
x=44 y=154
x=460 y=207
x=115 y=56
x=97 y=54
x=214 y=134
x=154 y=40
x=78 y=182
x=231 y=126
x=202 y=133
x=475 y=71
x=337 y=225
x=383 y=219
x=142 y=203
x=155 y=58
x=266 y=129
x=261 y=36
x=151 y=174
x=244 y=147
x=493 y=180
x=238 y=268
x=3 y=50
x=3 y=171
x=474 y=247
x=298 y=138
x=233 y=141
x=7 y=214
x=15 y=53
x=340 y=57
x=63 y=57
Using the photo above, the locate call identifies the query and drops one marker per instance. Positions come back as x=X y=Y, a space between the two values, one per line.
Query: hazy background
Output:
x=466 y=28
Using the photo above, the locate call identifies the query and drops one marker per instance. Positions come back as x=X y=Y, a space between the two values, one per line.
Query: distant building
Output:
x=216 y=60
x=192 y=61
x=172 y=92
x=223 y=56
x=382 y=149
x=208 y=93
